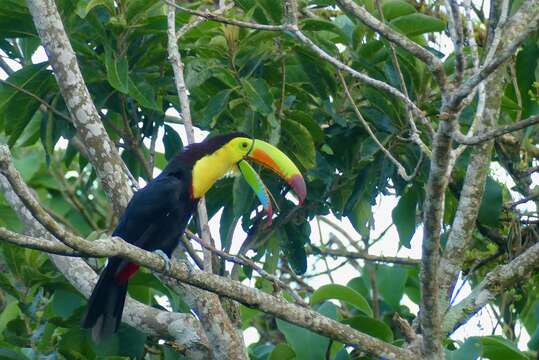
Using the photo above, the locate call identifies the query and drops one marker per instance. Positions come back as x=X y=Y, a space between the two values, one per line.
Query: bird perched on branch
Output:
x=157 y=215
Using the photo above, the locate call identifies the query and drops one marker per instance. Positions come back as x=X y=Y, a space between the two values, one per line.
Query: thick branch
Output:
x=460 y=237
x=502 y=278
x=47 y=246
x=489 y=135
x=251 y=297
x=433 y=211
x=102 y=152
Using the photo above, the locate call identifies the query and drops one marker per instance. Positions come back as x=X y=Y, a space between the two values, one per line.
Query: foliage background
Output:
x=267 y=84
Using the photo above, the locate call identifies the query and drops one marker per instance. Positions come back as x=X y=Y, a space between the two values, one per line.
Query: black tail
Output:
x=105 y=306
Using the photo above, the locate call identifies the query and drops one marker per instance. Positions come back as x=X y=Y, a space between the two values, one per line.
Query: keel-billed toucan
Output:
x=157 y=215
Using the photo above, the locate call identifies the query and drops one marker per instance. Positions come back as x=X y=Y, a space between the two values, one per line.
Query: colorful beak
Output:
x=274 y=159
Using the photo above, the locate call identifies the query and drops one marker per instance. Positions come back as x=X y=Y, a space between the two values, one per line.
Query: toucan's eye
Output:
x=244 y=145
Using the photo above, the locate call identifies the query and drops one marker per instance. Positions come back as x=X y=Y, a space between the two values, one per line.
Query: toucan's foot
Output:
x=166 y=259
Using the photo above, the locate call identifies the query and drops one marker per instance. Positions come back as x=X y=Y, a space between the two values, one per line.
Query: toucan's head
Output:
x=218 y=155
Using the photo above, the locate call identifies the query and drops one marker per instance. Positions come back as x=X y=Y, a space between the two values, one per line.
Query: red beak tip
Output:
x=298 y=185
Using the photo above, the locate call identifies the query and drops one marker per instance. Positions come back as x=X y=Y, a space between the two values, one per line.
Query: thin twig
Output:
x=181 y=88
x=192 y=252
x=200 y=19
x=365 y=256
x=40 y=100
x=400 y=169
x=213 y=16
x=153 y=141
x=457 y=37
x=433 y=63
x=242 y=260
x=489 y=135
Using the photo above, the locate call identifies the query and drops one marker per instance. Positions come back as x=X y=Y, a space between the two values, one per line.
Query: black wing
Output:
x=149 y=206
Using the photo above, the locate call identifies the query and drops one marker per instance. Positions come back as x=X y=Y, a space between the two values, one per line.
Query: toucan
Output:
x=157 y=214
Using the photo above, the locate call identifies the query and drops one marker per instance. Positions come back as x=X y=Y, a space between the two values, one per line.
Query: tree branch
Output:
x=457 y=37
x=364 y=256
x=226 y=340
x=514 y=32
x=400 y=168
x=242 y=260
x=494 y=283
x=102 y=152
x=433 y=63
x=432 y=219
x=489 y=135
x=282 y=309
x=214 y=16
x=460 y=237
x=294 y=29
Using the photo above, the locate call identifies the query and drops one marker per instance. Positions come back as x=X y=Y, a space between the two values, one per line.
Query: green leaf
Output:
x=258 y=95
x=319 y=25
x=491 y=204
x=273 y=9
x=417 y=24
x=293 y=240
x=282 y=352
x=144 y=95
x=131 y=342
x=11 y=312
x=243 y=197
x=75 y=344
x=498 y=348
x=17 y=107
x=343 y=293
x=371 y=326
x=140 y=9
x=470 y=350
x=215 y=106
x=85 y=6
x=310 y=124
x=225 y=223
x=391 y=281
x=197 y=71
x=306 y=344
x=404 y=217
x=361 y=216
x=64 y=303
x=117 y=72
x=172 y=142
x=396 y=8
x=297 y=140
x=28 y=47
x=509 y=105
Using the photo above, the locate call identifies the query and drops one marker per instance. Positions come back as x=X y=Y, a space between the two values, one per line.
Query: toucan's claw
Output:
x=166 y=260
